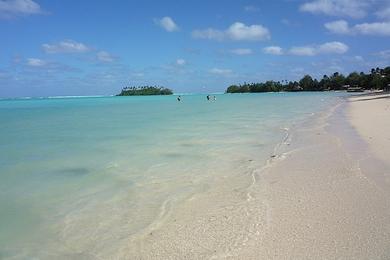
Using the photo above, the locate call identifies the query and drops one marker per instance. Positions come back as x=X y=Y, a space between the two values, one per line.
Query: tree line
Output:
x=376 y=79
x=145 y=91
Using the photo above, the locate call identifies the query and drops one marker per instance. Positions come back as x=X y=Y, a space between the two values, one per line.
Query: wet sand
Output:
x=323 y=194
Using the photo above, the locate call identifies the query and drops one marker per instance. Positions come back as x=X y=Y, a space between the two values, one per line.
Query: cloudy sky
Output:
x=73 y=47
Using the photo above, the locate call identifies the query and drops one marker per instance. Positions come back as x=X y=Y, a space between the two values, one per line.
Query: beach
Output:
x=195 y=130
x=301 y=176
x=370 y=116
x=324 y=194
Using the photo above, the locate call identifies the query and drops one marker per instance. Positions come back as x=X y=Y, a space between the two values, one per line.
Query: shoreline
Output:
x=319 y=200
x=316 y=190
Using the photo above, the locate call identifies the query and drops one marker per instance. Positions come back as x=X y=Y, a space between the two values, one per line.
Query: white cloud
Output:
x=66 y=46
x=332 y=47
x=209 y=34
x=34 y=62
x=381 y=29
x=181 y=62
x=326 y=48
x=167 y=24
x=48 y=66
x=237 y=32
x=222 y=72
x=104 y=56
x=339 y=27
x=303 y=51
x=274 y=50
x=350 y=8
x=10 y=8
x=376 y=28
x=241 y=51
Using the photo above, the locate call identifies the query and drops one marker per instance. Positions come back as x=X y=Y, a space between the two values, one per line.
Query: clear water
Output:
x=87 y=173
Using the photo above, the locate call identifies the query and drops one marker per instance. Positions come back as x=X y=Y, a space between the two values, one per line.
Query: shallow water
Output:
x=84 y=174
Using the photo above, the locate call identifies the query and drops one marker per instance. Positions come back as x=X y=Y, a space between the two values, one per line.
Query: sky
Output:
x=71 y=48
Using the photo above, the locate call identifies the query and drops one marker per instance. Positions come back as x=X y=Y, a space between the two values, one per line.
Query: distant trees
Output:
x=377 y=79
x=144 y=91
x=269 y=86
x=307 y=83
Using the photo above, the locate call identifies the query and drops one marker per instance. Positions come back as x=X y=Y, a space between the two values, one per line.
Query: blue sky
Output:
x=51 y=48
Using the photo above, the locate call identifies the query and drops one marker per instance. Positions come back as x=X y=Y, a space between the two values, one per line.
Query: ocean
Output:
x=80 y=176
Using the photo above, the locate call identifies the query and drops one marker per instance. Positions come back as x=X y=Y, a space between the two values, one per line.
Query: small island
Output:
x=145 y=91
x=378 y=79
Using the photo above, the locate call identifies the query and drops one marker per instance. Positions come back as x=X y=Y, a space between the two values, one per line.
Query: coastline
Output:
x=316 y=198
x=306 y=188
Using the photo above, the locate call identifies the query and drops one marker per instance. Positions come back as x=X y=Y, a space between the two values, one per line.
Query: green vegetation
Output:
x=376 y=79
x=145 y=91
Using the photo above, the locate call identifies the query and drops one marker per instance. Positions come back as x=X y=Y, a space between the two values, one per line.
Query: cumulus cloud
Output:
x=66 y=46
x=325 y=48
x=47 y=66
x=274 y=50
x=303 y=51
x=237 y=32
x=381 y=28
x=241 y=51
x=34 y=62
x=221 y=72
x=104 y=56
x=167 y=24
x=181 y=62
x=240 y=31
x=350 y=8
x=332 y=47
x=340 y=27
x=11 y=8
x=376 y=28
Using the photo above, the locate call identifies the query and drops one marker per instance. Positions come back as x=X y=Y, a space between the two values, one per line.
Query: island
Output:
x=145 y=91
x=378 y=79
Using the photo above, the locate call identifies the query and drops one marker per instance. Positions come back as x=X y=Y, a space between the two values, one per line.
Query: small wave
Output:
x=64 y=97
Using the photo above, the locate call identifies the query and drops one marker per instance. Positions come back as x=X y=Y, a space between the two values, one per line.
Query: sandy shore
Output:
x=323 y=195
x=370 y=115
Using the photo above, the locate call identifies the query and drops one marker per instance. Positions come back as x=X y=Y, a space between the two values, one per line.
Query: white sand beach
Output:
x=370 y=115
x=323 y=195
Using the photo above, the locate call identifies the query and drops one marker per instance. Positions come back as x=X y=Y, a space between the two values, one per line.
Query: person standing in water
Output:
x=179 y=98
x=208 y=97
x=215 y=98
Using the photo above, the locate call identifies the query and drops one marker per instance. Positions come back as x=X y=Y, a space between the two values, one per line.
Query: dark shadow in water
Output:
x=74 y=172
x=173 y=155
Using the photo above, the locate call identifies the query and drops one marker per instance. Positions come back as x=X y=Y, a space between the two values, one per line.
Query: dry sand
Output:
x=324 y=195
x=370 y=115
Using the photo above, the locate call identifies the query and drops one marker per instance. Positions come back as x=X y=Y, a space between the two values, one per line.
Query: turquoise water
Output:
x=84 y=174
